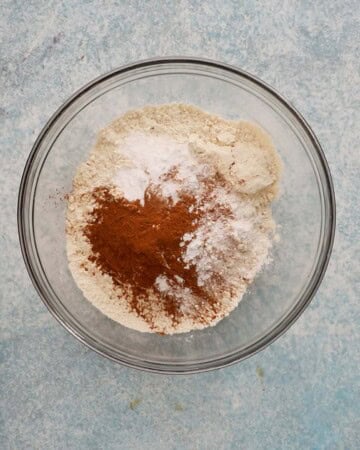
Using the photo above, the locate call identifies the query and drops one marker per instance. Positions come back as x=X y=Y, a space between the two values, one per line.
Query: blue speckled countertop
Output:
x=300 y=393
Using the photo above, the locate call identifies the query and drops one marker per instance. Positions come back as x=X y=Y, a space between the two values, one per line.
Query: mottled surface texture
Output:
x=303 y=391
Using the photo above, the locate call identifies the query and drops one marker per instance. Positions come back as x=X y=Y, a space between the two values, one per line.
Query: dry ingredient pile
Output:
x=169 y=219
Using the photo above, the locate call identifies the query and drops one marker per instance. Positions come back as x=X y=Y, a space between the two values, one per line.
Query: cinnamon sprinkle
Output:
x=136 y=244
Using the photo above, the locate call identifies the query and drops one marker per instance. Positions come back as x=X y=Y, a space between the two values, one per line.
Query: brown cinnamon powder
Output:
x=135 y=244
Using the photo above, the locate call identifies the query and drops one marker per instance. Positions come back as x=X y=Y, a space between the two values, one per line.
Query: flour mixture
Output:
x=169 y=219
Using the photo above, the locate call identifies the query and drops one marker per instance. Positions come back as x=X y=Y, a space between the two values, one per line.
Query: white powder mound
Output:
x=142 y=167
x=238 y=236
x=142 y=148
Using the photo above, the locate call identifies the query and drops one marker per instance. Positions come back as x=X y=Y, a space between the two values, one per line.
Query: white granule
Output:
x=162 y=283
x=140 y=149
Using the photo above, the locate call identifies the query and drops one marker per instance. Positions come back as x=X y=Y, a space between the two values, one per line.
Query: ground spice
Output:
x=135 y=244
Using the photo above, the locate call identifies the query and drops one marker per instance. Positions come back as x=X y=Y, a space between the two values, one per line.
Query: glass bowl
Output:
x=305 y=213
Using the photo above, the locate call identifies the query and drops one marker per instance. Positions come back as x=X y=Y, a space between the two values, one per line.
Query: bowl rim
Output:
x=274 y=333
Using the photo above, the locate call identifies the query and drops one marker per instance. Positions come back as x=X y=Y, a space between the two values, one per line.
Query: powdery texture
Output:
x=140 y=148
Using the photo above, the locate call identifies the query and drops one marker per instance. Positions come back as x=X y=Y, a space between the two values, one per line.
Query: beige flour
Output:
x=240 y=151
